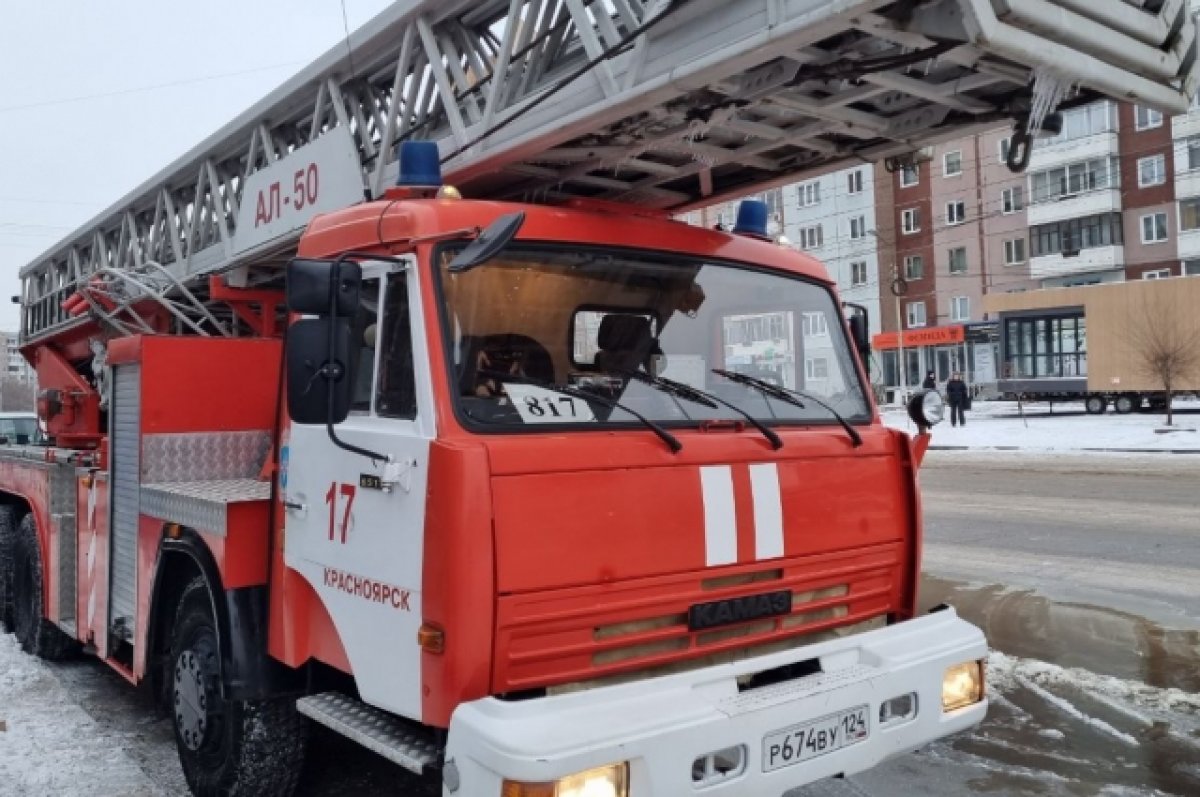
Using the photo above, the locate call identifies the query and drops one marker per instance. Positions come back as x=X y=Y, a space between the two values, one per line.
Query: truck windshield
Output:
x=538 y=316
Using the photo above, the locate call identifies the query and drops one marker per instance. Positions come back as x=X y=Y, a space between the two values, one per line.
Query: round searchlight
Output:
x=926 y=409
x=420 y=165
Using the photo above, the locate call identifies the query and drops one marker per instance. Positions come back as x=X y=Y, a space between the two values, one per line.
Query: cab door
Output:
x=354 y=524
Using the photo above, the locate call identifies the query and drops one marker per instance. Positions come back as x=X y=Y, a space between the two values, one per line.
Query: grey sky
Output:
x=96 y=97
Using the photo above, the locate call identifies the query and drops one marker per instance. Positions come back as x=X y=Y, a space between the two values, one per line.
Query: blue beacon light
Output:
x=752 y=219
x=420 y=165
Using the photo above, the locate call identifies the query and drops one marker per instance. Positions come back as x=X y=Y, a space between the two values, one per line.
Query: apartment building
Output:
x=16 y=366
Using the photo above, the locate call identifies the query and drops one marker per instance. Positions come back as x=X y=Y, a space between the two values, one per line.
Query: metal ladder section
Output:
x=402 y=742
x=671 y=104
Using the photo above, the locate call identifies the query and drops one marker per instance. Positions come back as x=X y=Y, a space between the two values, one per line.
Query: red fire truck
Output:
x=484 y=484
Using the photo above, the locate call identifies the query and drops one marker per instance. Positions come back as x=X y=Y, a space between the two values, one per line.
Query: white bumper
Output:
x=662 y=725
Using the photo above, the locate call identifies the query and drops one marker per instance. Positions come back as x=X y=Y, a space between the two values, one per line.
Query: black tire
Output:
x=8 y=532
x=228 y=748
x=1126 y=404
x=1095 y=405
x=37 y=635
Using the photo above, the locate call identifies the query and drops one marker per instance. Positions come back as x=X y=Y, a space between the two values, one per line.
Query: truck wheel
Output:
x=1095 y=405
x=228 y=748
x=8 y=532
x=37 y=635
x=1125 y=404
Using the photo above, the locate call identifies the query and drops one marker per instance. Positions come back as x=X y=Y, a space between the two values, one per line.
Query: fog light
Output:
x=962 y=685
x=609 y=781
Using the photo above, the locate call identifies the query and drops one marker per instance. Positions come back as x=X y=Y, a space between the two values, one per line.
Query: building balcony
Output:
x=1189 y=245
x=1187 y=125
x=1053 y=152
x=1099 y=258
x=1074 y=206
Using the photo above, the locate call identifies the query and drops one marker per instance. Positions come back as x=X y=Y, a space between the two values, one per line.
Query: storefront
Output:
x=971 y=349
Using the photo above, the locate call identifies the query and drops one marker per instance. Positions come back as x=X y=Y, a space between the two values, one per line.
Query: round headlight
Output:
x=927 y=408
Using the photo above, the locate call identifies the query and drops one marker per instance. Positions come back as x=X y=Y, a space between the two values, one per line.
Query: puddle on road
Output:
x=1095 y=698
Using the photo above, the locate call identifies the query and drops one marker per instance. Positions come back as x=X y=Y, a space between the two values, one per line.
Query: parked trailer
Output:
x=1097 y=343
x=477 y=482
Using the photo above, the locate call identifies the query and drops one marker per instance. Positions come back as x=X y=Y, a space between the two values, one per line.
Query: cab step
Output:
x=400 y=741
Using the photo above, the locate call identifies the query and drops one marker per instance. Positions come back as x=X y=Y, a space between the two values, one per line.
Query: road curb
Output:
x=1070 y=450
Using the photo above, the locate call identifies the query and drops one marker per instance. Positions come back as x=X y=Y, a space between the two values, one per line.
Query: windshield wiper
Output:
x=789 y=396
x=567 y=390
x=695 y=394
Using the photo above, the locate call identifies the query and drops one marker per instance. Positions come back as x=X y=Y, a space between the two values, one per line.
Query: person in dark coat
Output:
x=957 y=398
x=930 y=381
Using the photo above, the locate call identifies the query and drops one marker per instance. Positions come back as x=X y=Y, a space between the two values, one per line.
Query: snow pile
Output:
x=999 y=424
x=1005 y=673
x=50 y=745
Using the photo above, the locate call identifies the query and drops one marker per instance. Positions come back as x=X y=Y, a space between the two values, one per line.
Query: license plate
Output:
x=798 y=743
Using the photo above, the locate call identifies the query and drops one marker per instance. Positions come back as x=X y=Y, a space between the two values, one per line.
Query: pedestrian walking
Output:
x=930 y=381
x=958 y=398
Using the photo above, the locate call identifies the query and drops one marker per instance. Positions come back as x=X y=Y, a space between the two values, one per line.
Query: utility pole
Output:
x=899 y=286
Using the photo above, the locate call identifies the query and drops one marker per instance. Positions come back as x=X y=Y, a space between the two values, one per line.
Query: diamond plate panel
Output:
x=203 y=456
x=201 y=505
x=400 y=742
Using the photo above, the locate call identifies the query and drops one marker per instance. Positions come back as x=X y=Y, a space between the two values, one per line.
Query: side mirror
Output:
x=323 y=287
x=860 y=330
x=319 y=386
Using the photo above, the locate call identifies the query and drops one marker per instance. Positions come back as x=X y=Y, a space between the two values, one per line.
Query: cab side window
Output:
x=365 y=330
x=396 y=393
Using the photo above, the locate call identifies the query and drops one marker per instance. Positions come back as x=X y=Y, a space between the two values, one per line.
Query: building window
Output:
x=1191 y=268
x=1158 y=274
x=914 y=267
x=1005 y=143
x=1014 y=251
x=1154 y=228
x=1089 y=120
x=1075 y=178
x=910 y=220
x=1012 y=199
x=858 y=227
x=1152 y=171
x=814 y=325
x=958 y=260
x=1049 y=346
x=1189 y=214
x=1070 y=236
x=1193 y=153
x=816 y=367
x=810 y=194
x=915 y=312
x=774 y=202
x=811 y=237
x=960 y=308
x=858 y=273
x=956 y=212
x=854 y=182
x=910 y=176
x=952 y=164
x=1146 y=118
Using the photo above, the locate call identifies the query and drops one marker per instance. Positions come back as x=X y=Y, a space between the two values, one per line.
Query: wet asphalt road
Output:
x=1065 y=563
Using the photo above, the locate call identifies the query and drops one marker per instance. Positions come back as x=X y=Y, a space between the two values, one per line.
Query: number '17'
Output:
x=348 y=491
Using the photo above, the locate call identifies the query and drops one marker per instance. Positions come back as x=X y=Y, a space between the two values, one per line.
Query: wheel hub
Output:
x=191 y=700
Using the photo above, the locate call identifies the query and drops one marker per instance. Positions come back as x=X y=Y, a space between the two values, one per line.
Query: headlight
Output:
x=927 y=409
x=962 y=685
x=609 y=781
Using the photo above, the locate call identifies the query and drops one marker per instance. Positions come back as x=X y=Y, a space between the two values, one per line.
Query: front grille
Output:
x=604 y=633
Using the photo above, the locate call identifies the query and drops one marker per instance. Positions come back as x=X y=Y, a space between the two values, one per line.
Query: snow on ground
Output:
x=51 y=746
x=1000 y=425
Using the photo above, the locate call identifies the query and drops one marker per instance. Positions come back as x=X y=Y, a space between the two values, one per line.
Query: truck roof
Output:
x=391 y=222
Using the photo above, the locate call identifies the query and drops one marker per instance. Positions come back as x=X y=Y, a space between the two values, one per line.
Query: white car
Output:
x=20 y=428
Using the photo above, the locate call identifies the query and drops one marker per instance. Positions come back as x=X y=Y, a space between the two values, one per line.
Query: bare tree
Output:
x=16 y=395
x=1166 y=339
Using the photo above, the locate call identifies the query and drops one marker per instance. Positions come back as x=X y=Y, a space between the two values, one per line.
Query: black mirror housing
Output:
x=310 y=370
x=323 y=287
